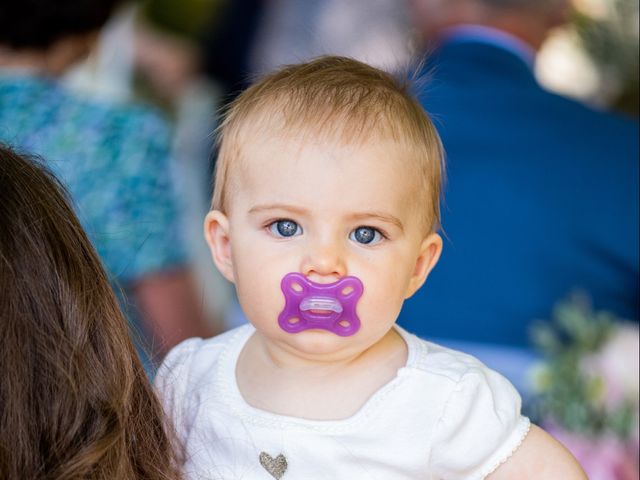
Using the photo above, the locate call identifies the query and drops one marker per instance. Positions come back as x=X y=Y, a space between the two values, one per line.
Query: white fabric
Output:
x=444 y=416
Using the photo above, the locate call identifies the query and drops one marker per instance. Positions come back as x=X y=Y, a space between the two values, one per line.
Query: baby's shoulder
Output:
x=458 y=383
x=434 y=359
x=451 y=371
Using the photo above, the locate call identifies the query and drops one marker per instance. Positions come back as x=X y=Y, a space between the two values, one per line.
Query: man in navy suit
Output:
x=542 y=192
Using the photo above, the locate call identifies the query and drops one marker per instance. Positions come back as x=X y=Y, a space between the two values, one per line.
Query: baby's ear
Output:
x=428 y=256
x=216 y=232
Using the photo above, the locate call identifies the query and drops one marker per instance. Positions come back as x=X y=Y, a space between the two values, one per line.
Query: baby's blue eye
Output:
x=285 y=228
x=366 y=235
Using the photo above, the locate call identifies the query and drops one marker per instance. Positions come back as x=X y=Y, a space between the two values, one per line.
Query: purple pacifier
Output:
x=310 y=305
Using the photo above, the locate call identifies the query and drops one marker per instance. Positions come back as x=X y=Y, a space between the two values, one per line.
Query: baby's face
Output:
x=326 y=211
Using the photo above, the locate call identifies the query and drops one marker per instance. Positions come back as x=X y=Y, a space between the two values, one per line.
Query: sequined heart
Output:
x=275 y=466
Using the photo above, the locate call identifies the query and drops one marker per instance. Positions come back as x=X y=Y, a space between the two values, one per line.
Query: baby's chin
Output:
x=319 y=344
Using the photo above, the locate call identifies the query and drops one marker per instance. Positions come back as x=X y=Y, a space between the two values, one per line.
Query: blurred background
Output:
x=594 y=57
x=189 y=58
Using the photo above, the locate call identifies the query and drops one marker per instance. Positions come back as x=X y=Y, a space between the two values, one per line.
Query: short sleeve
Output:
x=171 y=383
x=480 y=427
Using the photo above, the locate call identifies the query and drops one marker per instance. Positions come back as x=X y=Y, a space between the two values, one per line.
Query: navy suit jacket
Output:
x=541 y=199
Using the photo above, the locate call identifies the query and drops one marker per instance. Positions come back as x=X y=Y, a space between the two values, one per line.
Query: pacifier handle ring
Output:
x=289 y=281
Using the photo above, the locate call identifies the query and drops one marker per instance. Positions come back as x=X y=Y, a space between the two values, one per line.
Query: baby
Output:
x=324 y=216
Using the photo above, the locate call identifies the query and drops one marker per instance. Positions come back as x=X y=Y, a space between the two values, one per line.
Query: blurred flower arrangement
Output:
x=608 y=30
x=586 y=390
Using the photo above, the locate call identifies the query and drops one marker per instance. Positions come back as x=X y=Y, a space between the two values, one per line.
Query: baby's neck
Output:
x=276 y=380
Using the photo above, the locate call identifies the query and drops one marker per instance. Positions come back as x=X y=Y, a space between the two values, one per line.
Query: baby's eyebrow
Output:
x=383 y=217
x=277 y=206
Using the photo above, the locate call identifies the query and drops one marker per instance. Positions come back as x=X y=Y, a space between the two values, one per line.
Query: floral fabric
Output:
x=114 y=160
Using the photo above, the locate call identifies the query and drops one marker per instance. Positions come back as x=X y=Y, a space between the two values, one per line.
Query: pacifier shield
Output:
x=327 y=306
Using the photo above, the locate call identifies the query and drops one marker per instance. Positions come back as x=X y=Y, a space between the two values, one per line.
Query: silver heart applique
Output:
x=275 y=466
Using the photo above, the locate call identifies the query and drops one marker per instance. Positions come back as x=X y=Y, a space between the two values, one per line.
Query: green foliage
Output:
x=611 y=41
x=186 y=18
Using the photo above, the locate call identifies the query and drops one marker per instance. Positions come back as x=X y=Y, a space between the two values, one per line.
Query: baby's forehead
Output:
x=265 y=147
x=293 y=164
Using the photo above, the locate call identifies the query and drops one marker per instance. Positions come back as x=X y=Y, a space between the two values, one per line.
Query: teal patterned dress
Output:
x=113 y=159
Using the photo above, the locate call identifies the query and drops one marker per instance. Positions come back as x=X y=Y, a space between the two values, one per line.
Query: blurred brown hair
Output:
x=75 y=402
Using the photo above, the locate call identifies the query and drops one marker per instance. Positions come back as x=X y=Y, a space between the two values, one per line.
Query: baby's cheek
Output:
x=259 y=298
x=372 y=307
x=384 y=299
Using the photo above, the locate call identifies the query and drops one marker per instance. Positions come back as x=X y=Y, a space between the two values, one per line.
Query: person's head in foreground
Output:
x=324 y=217
x=75 y=402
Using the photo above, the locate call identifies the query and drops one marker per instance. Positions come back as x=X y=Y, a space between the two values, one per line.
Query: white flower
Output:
x=616 y=365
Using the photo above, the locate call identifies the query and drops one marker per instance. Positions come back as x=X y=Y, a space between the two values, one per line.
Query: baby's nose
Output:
x=324 y=263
